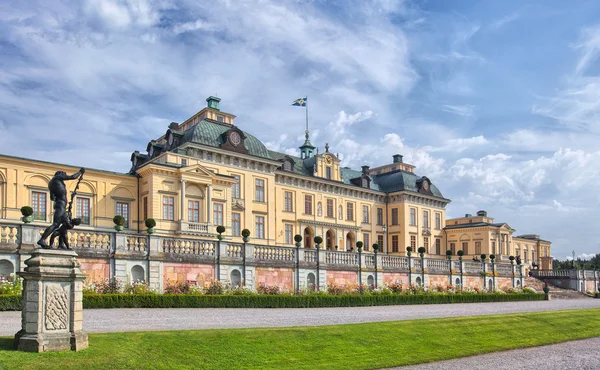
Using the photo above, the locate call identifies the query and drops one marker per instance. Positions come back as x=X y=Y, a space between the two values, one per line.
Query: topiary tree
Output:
x=483 y=257
x=245 y=235
x=512 y=259
x=359 y=246
x=318 y=240
x=449 y=254
x=150 y=225
x=27 y=213
x=119 y=222
x=220 y=230
x=298 y=240
x=409 y=251
x=375 y=247
x=492 y=257
x=421 y=251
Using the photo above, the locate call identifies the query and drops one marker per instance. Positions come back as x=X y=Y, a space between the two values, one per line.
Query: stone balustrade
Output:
x=264 y=253
x=89 y=239
x=310 y=256
x=472 y=267
x=9 y=235
x=505 y=270
x=235 y=250
x=438 y=265
x=394 y=262
x=341 y=258
x=188 y=246
x=137 y=243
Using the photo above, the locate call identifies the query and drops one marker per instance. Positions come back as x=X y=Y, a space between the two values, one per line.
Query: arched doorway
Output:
x=350 y=239
x=6 y=268
x=490 y=285
x=236 y=278
x=329 y=239
x=310 y=279
x=418 y=281
x=370 y=281
x=457 y=282
x=308 y=237
x=137 y=273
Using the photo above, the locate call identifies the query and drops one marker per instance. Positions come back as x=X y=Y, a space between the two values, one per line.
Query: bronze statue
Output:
x=63 y=230
x=58 y=194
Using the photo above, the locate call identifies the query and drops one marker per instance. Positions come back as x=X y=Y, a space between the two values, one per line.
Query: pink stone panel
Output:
x=342 y=277
x=271 y=276
x=472 y=282
x=590 y=285
x=503 y=283
x=182 y=272
x=393 y=277
x=97 y=270
x=439 y=280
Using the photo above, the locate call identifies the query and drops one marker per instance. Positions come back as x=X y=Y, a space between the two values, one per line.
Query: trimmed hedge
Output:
x=13 y=303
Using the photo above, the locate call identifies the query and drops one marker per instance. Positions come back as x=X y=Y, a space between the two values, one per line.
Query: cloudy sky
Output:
x=498 y=102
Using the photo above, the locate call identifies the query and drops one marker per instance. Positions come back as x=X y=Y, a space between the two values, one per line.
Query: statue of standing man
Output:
x=58 y=194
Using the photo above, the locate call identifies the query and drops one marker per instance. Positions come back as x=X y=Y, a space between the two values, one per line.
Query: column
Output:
x=182 y=199
x=208 y=195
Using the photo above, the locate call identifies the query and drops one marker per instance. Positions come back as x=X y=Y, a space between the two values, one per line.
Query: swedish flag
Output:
x=300 y=102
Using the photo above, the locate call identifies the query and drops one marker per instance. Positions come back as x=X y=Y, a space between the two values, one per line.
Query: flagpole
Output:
x=306 y=105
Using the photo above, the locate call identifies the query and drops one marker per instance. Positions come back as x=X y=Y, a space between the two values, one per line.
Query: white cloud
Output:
x=461 y=110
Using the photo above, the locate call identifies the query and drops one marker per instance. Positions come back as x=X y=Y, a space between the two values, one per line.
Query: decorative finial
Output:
x=326 y=147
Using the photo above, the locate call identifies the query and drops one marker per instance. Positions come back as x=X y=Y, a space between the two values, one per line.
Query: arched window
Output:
x=6 y=268
x=418 y=281
x=137 y=273
x=370 y=281
x=236 y=278
x=310 y=279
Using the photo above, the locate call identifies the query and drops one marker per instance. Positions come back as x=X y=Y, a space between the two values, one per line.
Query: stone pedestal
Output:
x=52 y=317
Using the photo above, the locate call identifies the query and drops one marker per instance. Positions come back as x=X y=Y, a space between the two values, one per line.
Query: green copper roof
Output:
x=210 y=133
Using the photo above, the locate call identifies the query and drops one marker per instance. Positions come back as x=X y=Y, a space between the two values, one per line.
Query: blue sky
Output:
x=496 y=101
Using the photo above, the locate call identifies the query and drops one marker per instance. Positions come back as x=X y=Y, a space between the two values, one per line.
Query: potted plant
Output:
x=359 y=246
x=119 y=222
x=27 y=213
x=220 y=231
x=150 y=224
x=460 y=254
x=492 y=257
x=245 y=235
x=408 y=251
x=421 y=251
x=298 y=240
x=318 y=241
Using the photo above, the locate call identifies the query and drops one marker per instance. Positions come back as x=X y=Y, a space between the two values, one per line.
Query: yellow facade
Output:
x=207 y=172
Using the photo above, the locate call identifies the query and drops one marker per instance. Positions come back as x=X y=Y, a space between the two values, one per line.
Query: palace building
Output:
x=207 y=171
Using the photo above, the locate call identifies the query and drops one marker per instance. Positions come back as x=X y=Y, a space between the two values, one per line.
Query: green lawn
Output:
x=357 y=346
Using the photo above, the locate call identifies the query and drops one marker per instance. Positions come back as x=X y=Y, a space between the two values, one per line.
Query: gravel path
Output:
x=146 y=319
x=577 y=354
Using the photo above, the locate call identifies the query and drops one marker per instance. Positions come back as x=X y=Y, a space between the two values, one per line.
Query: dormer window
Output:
x=364 y=183
x=328 y=172
x=220 y=118
x=287 y=166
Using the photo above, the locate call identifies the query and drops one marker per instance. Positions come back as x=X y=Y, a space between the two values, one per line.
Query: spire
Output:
x=307 y=149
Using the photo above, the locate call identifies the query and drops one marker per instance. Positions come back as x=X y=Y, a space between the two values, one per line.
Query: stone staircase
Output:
x=555 y=292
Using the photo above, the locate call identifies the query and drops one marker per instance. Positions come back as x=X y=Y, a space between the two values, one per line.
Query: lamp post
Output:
x=318 y=240
x=359 y=246
x=384 y=247
x=375 y=249
x=408 y=254
x=421 y=251
x=298 y=240
x=512 y=269
x=492 y=258
x=460 y=253
x=449 y=256
x=483 y=257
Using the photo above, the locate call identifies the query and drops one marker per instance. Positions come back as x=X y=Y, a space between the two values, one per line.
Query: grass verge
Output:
x=355 y=346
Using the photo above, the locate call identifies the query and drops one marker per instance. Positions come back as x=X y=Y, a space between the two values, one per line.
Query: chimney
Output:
x=365 y=170
x=397 y=158
x=482 y=213
x=468 y=215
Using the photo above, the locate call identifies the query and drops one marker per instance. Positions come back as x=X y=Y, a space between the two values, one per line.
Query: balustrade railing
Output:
x=394 y=262
x=504 y=270
x=194 y=227
x=438 y=265
x=417 y=265
x=310 y=256
x=235 y=250
x=9 y=234
x=274 y=253
x=341 y=258
x=472 y=267
x=137 y=243
x=89 y=239
x=186 y=246
x=370 y=260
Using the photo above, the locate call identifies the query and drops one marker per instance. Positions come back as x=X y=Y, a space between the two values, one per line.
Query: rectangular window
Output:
x=236 y=224
x=288 y=201
x=328 y=172
x=168 y=208
x=308 y=205
x=413 y=242
x=394 y=243
x=453 y=248
x=145 y=206
x=350 y=212
x=465 y=247
x=426 y=219
x=330 y=208
x=438 y=221
x=38 y=203
x=380 y=242
x=379 y=216
x=260 y=227
x=478 y=248
x=438 y=246
x=184 y=162
x=365 y=214
x=366 y=242
x=426 y=244
x=394 y=216
x=289 y=234
x=193 y=211
x=260 y=190
x=413 y=217
x=83 y=210
x=493 y=247
x=220 y=118
x=123 y=210
x=218 y=213
x=235 y=188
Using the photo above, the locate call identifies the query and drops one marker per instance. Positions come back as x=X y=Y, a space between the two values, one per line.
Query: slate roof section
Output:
x=475 y=224
x=397 y=181
x=209 y=133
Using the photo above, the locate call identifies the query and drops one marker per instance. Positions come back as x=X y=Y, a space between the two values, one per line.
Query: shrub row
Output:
x=272 y=301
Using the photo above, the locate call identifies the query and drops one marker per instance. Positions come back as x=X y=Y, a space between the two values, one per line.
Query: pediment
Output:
x=197 y=170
